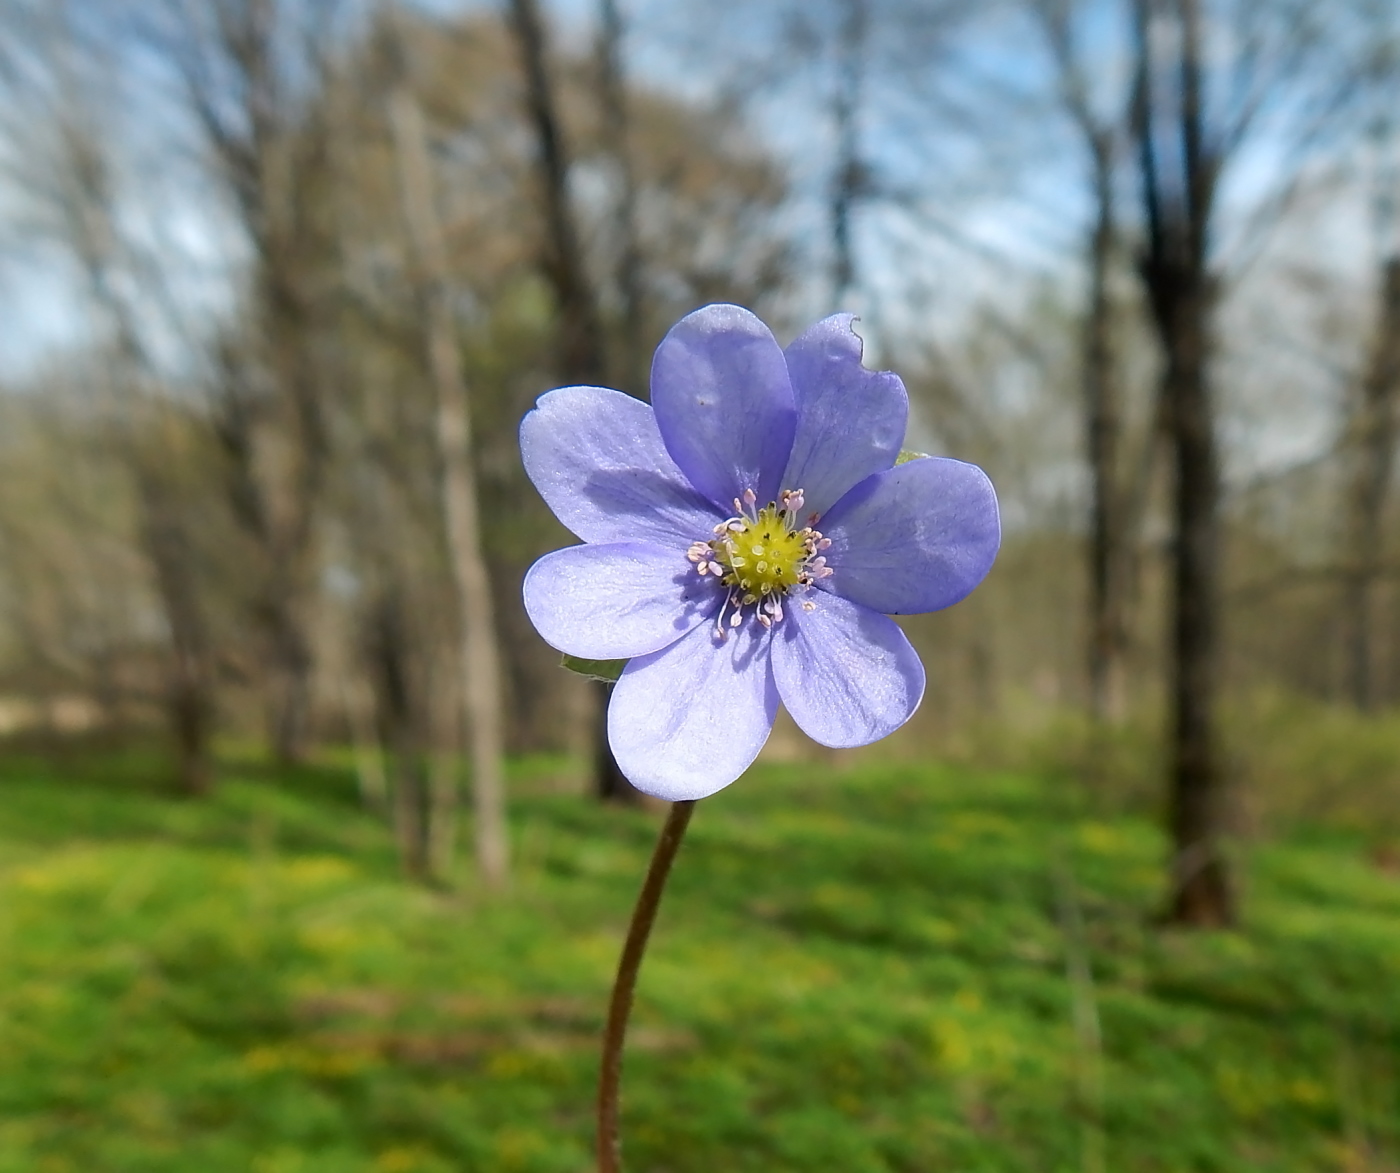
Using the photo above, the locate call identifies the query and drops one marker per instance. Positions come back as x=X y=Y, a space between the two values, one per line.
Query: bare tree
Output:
x=631 y=360
x=80 y=191
x=1179 y=161
x=850 y=180
x=1373 y=439
x=233 y=58
x=1100 y=375
x=479 y=664
x=1374 y=427
x=581 y=354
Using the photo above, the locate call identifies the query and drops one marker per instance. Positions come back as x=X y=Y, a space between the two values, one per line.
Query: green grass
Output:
x=860 y=972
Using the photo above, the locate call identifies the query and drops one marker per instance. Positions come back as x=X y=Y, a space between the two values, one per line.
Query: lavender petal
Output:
x=686 y=721
x=914 y=538
x=850 y=421
x=597 y=459
x=724 y=403
x=605 y=602
x=847 y=675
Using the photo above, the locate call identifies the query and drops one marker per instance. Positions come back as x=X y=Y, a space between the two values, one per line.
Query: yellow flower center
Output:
x=761 y=555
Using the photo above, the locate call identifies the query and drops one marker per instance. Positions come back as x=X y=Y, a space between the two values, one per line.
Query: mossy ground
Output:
x=855 y=971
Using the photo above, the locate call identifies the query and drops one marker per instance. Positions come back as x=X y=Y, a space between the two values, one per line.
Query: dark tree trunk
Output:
x=1375 y=436
x=400 y=728
x=1179 y=168
x=1202 y=892
x=581 y=355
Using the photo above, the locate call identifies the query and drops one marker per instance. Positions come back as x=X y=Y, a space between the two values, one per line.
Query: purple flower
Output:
x=745 y=538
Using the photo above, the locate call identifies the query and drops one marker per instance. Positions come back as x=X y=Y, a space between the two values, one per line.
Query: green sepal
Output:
x=605 y=670
x=906 y=455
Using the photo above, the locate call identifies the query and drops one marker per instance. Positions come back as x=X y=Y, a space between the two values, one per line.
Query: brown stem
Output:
x=614 y=1034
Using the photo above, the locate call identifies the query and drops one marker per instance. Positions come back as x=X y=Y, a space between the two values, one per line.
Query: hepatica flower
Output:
x=746 y=537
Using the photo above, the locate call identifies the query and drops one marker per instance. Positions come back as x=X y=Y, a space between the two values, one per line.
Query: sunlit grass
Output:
x=854 y=972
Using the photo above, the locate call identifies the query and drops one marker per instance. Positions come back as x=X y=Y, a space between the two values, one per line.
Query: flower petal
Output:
x=609 y=602
x=847 y=675
x=850 y=421
x=724 y=403
x=686 y=721
x=597 y=459
x=914 y=538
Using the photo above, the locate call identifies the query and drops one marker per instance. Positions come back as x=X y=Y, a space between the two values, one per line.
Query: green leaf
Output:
x=905 y=456
x=605 y=670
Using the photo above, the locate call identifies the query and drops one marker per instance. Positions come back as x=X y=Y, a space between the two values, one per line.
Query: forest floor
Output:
x=880 y=968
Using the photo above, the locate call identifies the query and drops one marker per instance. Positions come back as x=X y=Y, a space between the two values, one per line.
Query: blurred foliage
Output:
x=857 y=967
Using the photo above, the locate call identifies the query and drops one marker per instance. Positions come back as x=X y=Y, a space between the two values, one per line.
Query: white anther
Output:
x=767 y=623
x=716 y=569
x=735 y=527
x=750 y=496
x=825 y=572
x=736 y=619
x=703 y=568
x=824 y=544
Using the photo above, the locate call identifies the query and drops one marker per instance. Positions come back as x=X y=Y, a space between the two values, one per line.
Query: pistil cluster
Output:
x=762 y=555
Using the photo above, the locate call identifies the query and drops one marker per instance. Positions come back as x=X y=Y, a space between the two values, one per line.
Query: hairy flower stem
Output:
x=615 y=1033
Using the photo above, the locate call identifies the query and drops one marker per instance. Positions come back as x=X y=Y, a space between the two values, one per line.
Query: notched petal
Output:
x=850 y=421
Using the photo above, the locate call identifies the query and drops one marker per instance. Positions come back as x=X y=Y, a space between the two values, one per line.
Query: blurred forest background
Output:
x=280 y=277
x=278 y=280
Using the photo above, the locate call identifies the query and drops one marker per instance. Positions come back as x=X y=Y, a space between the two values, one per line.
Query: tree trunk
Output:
x=147 y=445
x=1375 y=436
x=1202 y=891
x=631 y=374
x=848 y=182
x=189 y=683
x=480 y=658
x=1111 y=514
x=1179 y=168
x=389 y=656
x=237 y=73
x=1103 y=424
x=581 y=357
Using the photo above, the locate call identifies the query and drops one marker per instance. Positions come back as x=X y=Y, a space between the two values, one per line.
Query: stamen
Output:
x=761 y=555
